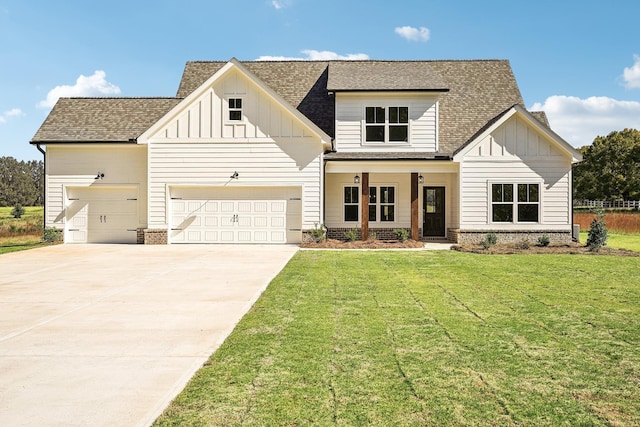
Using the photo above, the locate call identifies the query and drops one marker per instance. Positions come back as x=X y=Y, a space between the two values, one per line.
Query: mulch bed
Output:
x=498 y=249
x=359 y=244
x=574 y=248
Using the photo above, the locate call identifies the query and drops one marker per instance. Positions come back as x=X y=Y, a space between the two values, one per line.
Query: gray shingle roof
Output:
x=384 y=76
x=478 y=91
x=101 y=119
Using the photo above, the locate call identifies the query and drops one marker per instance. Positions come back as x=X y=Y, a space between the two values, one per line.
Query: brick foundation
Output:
x=476 y=237
x=155 y=237
x=380 y=233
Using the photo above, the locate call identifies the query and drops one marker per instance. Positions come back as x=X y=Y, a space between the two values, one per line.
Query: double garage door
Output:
x=101 y=214
x=236 y=215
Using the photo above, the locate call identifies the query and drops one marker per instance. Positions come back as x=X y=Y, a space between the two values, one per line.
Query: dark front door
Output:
x=433 y=212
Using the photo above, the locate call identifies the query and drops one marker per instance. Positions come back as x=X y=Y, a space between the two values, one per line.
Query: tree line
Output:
x=610 y=169
x=21 y=182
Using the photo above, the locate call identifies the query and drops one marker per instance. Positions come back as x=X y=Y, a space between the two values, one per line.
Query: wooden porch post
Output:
x=365 y=205
x=414 y=206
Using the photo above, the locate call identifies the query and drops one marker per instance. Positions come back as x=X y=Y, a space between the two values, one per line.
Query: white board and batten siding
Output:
x=515 y=152
x=199 y=147
x=423 y=122
x=103 y=210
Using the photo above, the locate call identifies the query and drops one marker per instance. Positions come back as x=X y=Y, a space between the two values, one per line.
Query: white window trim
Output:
x=378 y=221
x=227 y=110
x=386 y=125
x=514 y=184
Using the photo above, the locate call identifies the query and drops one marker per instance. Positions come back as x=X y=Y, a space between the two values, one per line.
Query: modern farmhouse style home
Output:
x=263 y=152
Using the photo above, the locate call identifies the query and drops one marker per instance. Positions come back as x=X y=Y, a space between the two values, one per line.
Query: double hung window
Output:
x=351 y=203
x=382 y=204
x=386 y=124
x=519 y=201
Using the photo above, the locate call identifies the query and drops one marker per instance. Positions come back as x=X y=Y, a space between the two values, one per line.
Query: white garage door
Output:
x=101 y=215
x=237 y=215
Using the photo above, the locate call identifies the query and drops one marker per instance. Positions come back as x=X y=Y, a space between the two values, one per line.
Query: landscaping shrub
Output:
x=52 y=235
x=523 y=244
x=373 y=235
x=489 y=240
x=351 y=235
x=318 y=233
x=544 y=240
x=597 y=236
x=401 y=234
x=17 y=211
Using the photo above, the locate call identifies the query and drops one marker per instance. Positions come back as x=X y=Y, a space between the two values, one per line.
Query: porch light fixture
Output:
x=420 y=179
x=235 y=175
x=100 y=175
x=356 y=179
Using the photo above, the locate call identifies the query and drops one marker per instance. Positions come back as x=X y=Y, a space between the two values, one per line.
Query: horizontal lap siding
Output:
x=77 y=166
x=553 y=174
x=350 y=111
x=258 y=164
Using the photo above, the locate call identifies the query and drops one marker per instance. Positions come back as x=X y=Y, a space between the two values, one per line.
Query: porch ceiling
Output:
x=391 y=166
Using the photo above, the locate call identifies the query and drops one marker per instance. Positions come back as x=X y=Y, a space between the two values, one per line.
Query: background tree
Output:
x=610 y=169
x=21 y=182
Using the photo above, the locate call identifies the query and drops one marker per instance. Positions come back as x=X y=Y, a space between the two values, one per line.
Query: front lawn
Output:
x=430 y=338
x=617 y=240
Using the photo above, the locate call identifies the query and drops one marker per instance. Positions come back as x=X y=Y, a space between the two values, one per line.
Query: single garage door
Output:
x=236 y=215
x=101 y=215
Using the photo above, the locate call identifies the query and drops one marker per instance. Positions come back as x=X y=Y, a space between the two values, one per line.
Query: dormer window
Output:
x=386 y=124
x=235 y=109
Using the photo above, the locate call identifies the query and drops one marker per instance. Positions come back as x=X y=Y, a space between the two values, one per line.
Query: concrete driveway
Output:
x=107 y=335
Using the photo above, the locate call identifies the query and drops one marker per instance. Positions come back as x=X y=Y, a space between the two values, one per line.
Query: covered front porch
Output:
x=375 y=198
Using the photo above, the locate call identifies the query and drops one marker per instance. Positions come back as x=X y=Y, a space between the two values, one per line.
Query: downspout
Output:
x=44 y=189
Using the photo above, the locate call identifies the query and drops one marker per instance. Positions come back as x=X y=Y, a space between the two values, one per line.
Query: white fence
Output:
x=634 y=204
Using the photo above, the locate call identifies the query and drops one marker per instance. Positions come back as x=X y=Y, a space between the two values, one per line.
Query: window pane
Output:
x=387 y=194
x=528 y=213
x=496 y=193
x=507 y=192
x=373 y=198
x=387 y=213
x=393 y=115
x=375 y=134
x=534 y=191
x=239 y=103
x=351 y=194
x=370 y=115
x=398 y=133
x=372 y=212
x=351 y=212
x=523 y=193
x=380 y=114
x=404 y=115
x=235 y=115
x=431 y=200
x=502 y=213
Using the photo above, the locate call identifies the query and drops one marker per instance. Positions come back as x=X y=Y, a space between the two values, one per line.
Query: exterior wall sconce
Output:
x=100 y=175
x=420 y=179
x=356 y=179
x=235 y=175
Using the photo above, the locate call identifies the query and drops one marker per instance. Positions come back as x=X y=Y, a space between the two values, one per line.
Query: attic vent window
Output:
x=235 y=109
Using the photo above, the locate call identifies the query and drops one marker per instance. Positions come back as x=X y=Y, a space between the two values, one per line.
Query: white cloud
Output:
x=631 y=75
x=421 y=34
x=94 y=85
x=315 y=55
x=579 y=121
x=14 y=112
x=277 y=4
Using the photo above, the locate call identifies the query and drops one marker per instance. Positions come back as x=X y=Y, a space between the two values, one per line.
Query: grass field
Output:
x=18 y=234
x=619 y=221
x=430 y=338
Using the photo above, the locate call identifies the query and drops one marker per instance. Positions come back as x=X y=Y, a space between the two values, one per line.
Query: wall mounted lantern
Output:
x=420 y=179
x=235 y=175
x=100 y=175
x=356 y=179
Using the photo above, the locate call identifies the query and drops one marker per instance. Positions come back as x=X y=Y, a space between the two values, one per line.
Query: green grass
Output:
x=17 y=234
x=429 y=338
x=618 y=240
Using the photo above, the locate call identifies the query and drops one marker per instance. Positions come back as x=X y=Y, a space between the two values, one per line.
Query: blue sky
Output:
x=577 y=60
